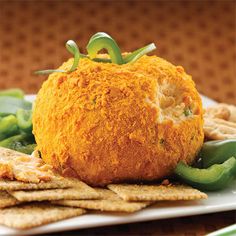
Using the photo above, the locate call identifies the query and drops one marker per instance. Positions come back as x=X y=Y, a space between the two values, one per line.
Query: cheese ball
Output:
x=107 y=123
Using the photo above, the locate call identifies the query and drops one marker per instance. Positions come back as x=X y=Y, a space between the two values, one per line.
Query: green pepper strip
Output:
x=9 y=105
x=216 y=152
x=134 y=56
x=28 y=149
x=8 y=126
x=215 y=177
x=10 y=142
x=24 y=120
x=104 y=41
x=73 y=49
x=18 y=93
x=97 y=59
x=23 y=143
x=49 y=71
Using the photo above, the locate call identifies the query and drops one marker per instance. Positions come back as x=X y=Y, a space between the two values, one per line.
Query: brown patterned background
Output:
x=200 y=35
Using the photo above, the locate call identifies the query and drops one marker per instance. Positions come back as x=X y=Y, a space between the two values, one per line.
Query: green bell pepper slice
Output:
x=15 y=92
x=104 y=41
x=24 y=120
x=8 y=126
x=216 y=152
x=19 y=142
x=216 y=177
x=10 y=142
x=10 y=105
x=27 y=149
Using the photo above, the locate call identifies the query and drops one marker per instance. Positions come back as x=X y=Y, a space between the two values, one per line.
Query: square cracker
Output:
x=130 y=192
x=18 y=185
x=7 y=200
x=36 y=214
x=79 y=191
x=109 y=202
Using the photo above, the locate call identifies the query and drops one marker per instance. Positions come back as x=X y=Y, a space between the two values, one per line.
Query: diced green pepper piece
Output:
x=9 y=105
x=8 y=126
x=24 y=120
x=15 y=92
x=215 y=177
x=216 y=152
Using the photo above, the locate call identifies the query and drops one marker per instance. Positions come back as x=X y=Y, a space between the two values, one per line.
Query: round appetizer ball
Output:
x=107 y=123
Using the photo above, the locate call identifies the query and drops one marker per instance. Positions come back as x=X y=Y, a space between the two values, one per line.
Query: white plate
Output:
x=218 y=201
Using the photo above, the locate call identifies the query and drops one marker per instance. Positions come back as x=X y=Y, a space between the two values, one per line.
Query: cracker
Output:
x=36 y=214
x=130 y=192
x=220 y=122
x=222 y=111
x=79 y=191
x=218 y=111
x=109 y=202
x=10 y=154
x=215 y=128
x=18 y=185
x=7 y=200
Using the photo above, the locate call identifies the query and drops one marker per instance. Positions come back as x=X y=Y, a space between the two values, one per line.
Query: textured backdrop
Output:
x=199 y=35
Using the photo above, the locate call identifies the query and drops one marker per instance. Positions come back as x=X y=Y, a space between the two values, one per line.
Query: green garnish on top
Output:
x=96 y=43
x=102 y=40
x=72 y=47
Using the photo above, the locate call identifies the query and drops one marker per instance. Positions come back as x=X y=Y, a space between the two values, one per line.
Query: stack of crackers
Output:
x=29 y=204
x=220 y=122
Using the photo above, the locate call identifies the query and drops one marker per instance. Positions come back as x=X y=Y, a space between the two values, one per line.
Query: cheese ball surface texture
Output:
x=106 y=123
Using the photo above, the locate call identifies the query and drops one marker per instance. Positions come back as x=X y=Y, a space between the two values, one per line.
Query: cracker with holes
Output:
x=36 y=214
x=130 y=192
x=80 y=190
x=109 y=201
x=55 y=183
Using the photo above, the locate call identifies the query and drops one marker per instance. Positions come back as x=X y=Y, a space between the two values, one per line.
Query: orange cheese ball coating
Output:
x=106 y=123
